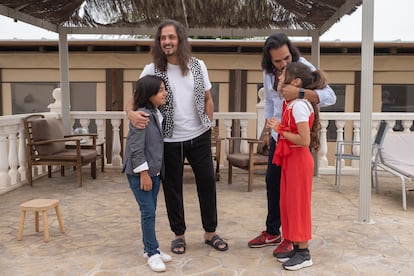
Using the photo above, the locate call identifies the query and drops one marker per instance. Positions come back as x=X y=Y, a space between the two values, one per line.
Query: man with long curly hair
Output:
x=188 y=113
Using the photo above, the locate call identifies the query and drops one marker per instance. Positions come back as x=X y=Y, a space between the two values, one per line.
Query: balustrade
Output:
x=13 y=152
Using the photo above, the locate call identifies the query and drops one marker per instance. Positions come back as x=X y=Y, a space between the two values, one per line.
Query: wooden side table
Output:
x=40 y=205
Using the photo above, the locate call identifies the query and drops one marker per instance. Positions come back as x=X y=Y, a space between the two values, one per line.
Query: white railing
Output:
x=13 y=145
x=352 y=122
x=12 y=141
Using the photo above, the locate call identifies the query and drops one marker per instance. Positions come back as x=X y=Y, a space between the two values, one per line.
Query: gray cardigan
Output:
x=145 y=145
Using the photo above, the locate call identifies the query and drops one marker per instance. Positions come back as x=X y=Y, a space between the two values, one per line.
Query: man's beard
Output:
x=169 y=52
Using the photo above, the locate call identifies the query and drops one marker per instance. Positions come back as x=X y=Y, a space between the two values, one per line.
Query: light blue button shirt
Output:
x=273 y=100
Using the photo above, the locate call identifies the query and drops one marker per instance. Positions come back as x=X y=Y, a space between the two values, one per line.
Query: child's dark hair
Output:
x=310 y=80
x=146 y=87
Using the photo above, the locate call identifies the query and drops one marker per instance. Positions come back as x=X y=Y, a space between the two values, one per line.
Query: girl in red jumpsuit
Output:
x=298 y=130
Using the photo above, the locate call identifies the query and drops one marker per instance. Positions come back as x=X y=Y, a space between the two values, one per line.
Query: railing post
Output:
x=116 y=143
x=323 y=150
x=4 y=162
x=100 y=130
x=85 y=123
x=340 y=136
x=13 y=161
x=243 y=145
x=406 y=124
x=260 y=113
x=72 y=124
x=227 y=127
x=22 y=154
x=356 y=146
x=391 y=124
x=101 y=136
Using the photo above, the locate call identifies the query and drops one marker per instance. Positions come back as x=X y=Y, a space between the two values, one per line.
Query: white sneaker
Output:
x=164 y=256
x=156 y=264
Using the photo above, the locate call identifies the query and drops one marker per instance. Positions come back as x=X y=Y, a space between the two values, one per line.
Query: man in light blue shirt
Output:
x=278 y=51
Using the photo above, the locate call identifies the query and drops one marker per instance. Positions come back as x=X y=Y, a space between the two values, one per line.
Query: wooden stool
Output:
x=39 y=205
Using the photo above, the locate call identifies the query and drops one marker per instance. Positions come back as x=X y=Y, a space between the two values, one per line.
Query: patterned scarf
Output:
x=167 y=110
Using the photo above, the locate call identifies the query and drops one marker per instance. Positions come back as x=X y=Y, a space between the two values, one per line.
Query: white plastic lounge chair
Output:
x=397 y=157
x=341 y=154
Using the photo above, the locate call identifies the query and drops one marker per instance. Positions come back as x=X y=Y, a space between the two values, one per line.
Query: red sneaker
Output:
x=264 y=239
x=284 y=251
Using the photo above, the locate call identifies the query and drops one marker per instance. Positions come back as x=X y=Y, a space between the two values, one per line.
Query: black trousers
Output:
x=273 y=174
x=198 y=154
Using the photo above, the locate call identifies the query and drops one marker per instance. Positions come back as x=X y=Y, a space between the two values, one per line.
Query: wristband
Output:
x=301 y=93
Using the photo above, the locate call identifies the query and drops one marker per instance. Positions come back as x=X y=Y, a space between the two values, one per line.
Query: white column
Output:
x=116 y=143
x=13 y=160
x=340 y=136
x=64 y=80
x=22 y=154
x=85 y=123
x=101 y=135
x=72 y=124
x=100 y=129
x=260 y=113
x=356 y=148
x=406 y=124
x=367 y=77
x=4 y=162
x=323 y=150
x=244 y=148
x=227 y=128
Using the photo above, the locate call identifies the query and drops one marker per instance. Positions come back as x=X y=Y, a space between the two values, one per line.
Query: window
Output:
x=83 y=98
x=31 y=97
x=397 y=98
x=35 y=97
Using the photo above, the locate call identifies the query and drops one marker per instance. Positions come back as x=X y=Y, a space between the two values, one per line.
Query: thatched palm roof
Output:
x=201 y=17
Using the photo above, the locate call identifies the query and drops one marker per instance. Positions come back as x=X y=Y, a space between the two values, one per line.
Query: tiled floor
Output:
x=103 y=232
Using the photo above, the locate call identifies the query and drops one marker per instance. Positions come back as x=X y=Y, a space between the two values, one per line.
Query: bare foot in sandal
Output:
x=214 y=240
x=178 y=245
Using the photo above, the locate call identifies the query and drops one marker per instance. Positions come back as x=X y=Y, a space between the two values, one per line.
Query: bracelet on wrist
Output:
x=301 y=93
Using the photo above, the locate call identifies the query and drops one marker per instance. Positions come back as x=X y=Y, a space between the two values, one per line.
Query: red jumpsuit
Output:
x=296 y=180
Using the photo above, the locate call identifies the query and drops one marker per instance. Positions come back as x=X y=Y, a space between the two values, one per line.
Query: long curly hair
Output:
x=183 y=51
x=310 y=80
x=276 y=41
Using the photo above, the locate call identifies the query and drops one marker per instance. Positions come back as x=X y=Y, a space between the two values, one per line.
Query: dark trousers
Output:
x=198 y=154
x=273 y=174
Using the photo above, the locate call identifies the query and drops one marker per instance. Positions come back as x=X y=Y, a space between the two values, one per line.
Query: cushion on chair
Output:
x=47 y=129
x=242 y=160
x=397 y=152
x=238 y=159
x=87 y=155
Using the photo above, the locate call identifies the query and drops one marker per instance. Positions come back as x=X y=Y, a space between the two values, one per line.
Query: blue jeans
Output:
x=147 y=202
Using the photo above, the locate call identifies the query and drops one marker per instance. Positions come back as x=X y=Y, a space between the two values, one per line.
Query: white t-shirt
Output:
x=187 y=123
x=302 y=109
